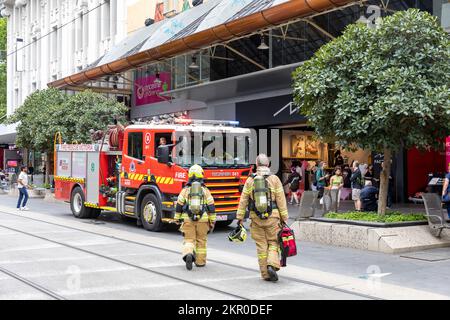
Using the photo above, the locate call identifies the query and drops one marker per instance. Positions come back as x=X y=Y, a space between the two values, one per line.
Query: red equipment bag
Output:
x=288 y=247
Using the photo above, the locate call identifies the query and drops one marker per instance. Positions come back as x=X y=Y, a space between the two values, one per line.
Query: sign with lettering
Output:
x=76 y=147
x=149 y=89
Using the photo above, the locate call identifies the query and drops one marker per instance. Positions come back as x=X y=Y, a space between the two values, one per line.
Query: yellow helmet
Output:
x=196 y=171
x=238 y=235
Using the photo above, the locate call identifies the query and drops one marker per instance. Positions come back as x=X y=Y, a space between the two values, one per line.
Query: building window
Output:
x=135 y=145
x=79 y=32
x=85 y=28
x=16 y=98
x=106 y=20
x=34 y=54
x=54 y=45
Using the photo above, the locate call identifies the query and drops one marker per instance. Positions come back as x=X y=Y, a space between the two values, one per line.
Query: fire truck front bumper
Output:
x=225 y=216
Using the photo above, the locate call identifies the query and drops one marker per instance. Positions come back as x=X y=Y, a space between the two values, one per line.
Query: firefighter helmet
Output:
x=238 y=235
x=196 y=171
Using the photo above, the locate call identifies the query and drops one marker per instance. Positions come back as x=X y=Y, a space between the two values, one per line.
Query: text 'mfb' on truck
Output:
x=132 y=172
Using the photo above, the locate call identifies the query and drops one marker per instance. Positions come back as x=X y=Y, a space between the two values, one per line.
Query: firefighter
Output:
x=263 y=195
x=195 y=208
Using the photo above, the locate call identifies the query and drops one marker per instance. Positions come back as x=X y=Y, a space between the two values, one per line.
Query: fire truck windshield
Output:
x=217 y=149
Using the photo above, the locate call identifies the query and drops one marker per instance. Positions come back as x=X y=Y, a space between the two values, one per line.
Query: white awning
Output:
x=8 y=133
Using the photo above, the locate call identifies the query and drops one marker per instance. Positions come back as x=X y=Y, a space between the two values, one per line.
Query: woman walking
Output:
x=294 y=184
x=22 y=186
x=336 y=183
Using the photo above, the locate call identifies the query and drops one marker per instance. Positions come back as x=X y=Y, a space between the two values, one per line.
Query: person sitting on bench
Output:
x=369 y=197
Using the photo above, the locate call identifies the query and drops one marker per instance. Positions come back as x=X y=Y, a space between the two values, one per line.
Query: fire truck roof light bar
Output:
x=205 y=122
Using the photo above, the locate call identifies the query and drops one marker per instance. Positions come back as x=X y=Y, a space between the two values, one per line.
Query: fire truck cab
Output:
x=142 y=177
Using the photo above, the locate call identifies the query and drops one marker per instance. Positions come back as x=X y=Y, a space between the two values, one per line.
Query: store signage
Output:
x=278 y=110
x=377 y=160
x=148 y=89
x=76 y=147
x=292 y=109
x=12 y=163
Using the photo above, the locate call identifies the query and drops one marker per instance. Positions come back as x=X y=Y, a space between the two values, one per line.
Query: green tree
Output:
x=3 y=45
x=87 y=110
x=36 y=125
x=382 y=88
x=47 y=112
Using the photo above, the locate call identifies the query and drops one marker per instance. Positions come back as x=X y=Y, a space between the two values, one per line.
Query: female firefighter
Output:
x=195 y=208
x=263 y=194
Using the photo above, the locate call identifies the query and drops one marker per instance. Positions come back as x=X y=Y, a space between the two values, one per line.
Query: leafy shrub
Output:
x=389 y=217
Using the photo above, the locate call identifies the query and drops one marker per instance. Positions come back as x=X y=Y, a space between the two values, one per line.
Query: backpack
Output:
x=288 y=247
x=261 y=203
x=195 y=201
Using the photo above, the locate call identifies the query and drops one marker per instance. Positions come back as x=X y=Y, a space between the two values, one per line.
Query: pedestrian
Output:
x=357 y=181
x=337 y=183
x=390 y=186
x=312 y=177
x=370 y=176
x=3 y=183
x=321 y=178
x=22 y=185
x=338 y=159
x=446 y=191
x=346 y=174
x=369 y=197
x=294 y=184
x=263 y=196
x=195 y=209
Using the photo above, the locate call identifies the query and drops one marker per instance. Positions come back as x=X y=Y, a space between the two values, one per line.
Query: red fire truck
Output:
x=141 y=179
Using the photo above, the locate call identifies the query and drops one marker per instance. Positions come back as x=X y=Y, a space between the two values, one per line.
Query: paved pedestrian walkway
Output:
x=319 y=267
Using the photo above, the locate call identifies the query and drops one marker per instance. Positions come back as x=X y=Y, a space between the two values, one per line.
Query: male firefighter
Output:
x=263 y=195
x=195 y=208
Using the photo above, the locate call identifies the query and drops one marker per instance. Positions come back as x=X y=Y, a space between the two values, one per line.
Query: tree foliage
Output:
x=46 y=112
x=3 y=45
x=378 y=88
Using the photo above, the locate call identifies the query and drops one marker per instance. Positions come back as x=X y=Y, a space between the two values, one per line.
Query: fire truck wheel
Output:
x=77 y=204
x=151 y=213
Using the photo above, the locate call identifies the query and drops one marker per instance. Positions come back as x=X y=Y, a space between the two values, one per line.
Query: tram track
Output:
x=310 y=283
x=32 y=284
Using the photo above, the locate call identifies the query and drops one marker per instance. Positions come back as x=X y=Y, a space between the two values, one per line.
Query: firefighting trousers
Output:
x=195 y=238
x=265 y=234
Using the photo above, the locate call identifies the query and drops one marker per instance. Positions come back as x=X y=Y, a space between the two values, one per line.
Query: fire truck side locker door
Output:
x=93 y=180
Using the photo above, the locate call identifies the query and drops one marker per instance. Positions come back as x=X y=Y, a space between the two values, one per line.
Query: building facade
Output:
x=232 y=85
x=49 y=39
x=229 y=60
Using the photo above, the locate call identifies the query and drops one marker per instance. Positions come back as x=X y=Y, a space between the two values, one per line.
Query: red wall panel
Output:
x=419 y=165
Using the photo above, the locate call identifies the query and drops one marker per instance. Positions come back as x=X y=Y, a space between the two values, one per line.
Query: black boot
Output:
x=272 y=274
x=189 y=260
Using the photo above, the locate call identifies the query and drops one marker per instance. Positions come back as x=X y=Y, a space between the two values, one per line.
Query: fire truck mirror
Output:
x=163 y=154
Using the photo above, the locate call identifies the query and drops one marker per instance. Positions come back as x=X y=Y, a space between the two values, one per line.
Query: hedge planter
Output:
x=371 y=223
